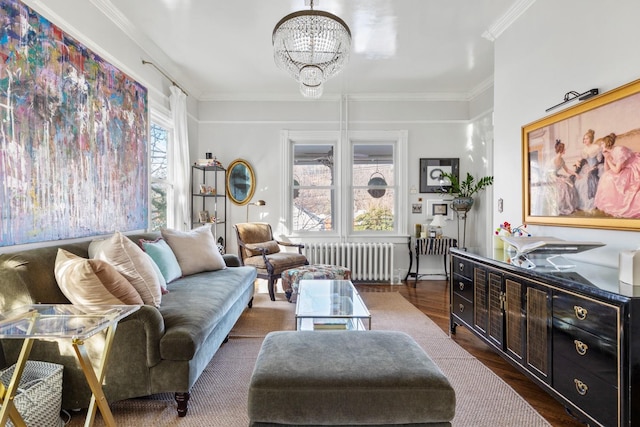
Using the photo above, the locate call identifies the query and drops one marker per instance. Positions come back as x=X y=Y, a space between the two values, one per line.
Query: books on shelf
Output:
x=548 y=245
x=330 y=323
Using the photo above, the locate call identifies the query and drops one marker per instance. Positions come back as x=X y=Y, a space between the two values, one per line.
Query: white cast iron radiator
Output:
x=367 y=261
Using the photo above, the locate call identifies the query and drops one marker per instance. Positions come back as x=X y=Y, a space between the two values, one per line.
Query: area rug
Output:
x=219 y=397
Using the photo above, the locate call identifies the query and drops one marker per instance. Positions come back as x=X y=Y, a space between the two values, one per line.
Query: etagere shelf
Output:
x=209 y=200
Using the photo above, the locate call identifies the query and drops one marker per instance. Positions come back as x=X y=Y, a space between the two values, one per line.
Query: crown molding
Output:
x=156 y=54
x=505 y=21
x=361 y=97
x=481 y=88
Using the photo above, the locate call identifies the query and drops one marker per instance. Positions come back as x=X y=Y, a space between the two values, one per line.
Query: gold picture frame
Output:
x=574 y=164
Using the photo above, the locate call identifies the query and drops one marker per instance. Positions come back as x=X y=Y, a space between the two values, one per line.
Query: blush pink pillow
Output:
x=91 y=281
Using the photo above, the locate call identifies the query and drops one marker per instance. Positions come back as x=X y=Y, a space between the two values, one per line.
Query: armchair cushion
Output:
x=281 y=261
x=271 y=247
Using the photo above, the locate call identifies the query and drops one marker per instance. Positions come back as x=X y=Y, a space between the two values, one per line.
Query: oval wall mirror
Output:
x=241 y=182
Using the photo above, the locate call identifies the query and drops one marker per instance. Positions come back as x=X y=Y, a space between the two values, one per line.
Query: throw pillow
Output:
x=92 y=281
x=161 y=279
x=195 y=250
x=271 y=246
x=131 y=261
x=164 y=258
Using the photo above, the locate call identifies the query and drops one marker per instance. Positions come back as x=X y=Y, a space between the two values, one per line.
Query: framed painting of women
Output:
x=581 y=166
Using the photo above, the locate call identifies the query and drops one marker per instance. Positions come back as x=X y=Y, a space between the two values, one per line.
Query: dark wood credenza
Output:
x=571 y=331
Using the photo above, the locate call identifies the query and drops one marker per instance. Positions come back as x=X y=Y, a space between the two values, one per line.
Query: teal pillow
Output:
x=163 y=256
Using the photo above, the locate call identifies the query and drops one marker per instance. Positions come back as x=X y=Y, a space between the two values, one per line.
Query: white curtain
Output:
x=182 y=216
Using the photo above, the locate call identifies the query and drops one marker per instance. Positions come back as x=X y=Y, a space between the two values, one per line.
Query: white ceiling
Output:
x=221 y=49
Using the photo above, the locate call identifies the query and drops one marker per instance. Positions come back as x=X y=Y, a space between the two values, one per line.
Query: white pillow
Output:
x=92 y=281
x=131 y=261
x=195 y=250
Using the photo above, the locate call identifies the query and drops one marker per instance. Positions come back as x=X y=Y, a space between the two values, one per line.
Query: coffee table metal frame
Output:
x=330 y=300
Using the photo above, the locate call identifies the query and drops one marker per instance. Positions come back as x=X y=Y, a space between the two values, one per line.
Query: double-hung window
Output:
x=338 y=188
x=161 y=177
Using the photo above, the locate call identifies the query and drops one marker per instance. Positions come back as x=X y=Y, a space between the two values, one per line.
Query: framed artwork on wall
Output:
x=580 y=165
x=431 y=171
x=77 y=128
x=439 y=207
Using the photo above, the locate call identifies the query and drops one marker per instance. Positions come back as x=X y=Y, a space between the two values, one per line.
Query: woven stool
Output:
x=347 y=378
x=291 y=278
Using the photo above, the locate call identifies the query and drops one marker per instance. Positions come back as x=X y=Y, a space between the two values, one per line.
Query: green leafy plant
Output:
x=469 y=186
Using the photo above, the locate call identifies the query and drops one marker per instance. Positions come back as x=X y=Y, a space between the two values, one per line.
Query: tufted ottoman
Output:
x=347 y=378
x=291 y=278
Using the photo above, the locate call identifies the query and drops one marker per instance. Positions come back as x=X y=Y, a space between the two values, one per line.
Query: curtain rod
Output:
x=165 y=75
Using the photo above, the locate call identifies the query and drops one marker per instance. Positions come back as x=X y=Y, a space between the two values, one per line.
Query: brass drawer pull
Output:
x=461 y=308
x=581 y=312
x=581 y=387
x=581 y=348
x=461 y=285
x=461 y=266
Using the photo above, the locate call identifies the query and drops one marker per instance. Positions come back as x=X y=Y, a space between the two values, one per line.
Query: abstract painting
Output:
x=73 y=136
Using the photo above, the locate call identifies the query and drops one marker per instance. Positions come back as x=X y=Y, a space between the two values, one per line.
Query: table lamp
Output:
x=438 y=222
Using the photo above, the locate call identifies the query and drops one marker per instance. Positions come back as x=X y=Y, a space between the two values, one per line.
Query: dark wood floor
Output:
x=432 y=298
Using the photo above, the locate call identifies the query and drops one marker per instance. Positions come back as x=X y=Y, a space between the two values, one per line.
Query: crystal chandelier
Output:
x=312 y=46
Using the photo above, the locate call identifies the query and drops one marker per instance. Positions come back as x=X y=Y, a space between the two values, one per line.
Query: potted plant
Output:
x=464 y=190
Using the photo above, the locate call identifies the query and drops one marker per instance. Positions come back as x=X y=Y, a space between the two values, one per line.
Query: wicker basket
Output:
x=39 y=396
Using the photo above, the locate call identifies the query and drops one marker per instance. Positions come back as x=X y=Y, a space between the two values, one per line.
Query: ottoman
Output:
x=291 y=278
x=347 y=378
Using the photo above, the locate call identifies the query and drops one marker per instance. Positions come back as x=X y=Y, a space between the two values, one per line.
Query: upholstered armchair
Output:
x=258 y=248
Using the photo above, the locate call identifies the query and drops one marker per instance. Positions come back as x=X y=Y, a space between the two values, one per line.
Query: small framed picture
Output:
x=203 y=216
x=416 y=208
x=439 y=207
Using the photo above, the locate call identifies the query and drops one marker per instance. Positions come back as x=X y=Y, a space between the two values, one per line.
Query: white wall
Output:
x=251 y=130
x=556 y=47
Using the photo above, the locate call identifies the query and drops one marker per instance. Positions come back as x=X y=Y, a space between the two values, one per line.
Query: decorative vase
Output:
x=463 y=204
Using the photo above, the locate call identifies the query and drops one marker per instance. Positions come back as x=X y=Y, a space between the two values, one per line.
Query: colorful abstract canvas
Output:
x=73 y=136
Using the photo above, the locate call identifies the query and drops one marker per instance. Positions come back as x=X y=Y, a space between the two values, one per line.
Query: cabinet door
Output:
x=488 y=310
x=528 y=325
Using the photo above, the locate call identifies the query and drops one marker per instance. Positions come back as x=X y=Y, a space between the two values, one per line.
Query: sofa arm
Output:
x=231 y=260
x=151 y=324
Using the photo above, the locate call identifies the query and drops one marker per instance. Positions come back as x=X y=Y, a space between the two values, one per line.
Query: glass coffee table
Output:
x=330 y=305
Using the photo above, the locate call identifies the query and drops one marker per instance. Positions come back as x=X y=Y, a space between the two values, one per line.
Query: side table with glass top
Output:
x=62 y=322
x=330 y=305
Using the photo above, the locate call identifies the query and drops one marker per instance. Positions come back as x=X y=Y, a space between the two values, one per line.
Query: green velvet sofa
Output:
x=155 y=350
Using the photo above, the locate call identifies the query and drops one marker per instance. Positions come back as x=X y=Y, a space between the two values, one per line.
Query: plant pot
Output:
x=462 y=204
